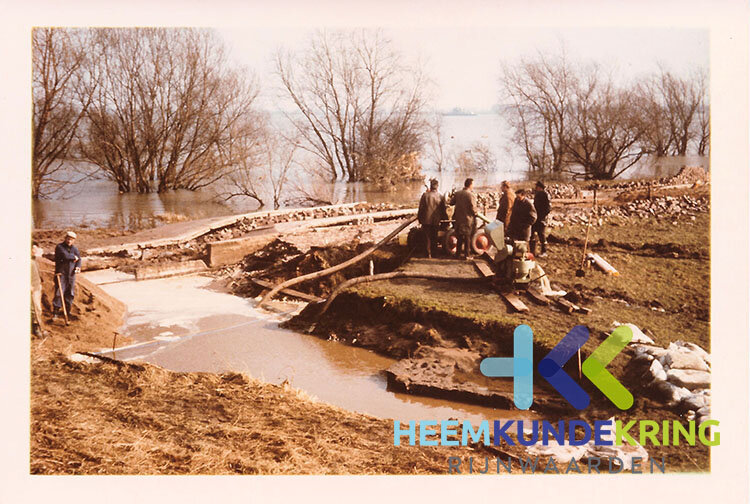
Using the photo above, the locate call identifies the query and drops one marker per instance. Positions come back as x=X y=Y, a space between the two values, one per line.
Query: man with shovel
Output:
x=67 y=264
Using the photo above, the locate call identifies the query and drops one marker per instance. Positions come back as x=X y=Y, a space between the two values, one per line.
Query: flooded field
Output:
x=97 y=203
x=190 y=324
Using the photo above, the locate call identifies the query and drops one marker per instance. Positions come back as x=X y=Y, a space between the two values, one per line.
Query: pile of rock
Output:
x=248 y=224
x=689 y=175
x=680 y=375
x=488 y=200
x=563 y=191
x=663 y=206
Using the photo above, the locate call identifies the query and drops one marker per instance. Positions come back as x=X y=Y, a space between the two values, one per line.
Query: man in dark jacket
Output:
x=542 y=206
x=67 y=264
x=465 y=218
x=505 y=206
x=522 y=218
x=431 y=211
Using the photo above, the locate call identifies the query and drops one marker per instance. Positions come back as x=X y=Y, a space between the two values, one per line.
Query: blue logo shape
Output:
x=551 y=367
x=520 y=366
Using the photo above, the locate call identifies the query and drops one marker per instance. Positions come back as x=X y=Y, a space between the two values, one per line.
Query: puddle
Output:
x=190 y=324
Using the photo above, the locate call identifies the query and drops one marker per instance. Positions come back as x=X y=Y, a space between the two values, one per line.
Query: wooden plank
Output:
x=221 y=253
x=566 y=305
x=290 y=292
x=515 y=302
x=164 y=270
x=537 y=296
x=569 y=307
x=483 y=268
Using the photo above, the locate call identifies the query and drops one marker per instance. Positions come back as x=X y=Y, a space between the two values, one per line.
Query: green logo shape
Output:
x=594 y=367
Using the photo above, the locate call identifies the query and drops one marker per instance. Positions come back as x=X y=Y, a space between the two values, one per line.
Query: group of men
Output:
x=522 y=219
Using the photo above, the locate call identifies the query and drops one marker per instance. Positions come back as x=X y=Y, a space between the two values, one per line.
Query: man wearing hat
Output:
x=431 y=212
x=67 y=264
x=539 y=228
x=521 y=218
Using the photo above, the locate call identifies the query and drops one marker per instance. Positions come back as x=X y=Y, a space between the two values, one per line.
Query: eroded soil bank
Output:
x=444 y=329
x=113 y=417
x=118 y=418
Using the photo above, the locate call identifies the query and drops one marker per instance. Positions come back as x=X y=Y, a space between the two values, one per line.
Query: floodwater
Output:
x=97 y=202
x=190 y=324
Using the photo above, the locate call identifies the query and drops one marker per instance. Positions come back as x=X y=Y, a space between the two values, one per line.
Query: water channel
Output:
x=191 y=323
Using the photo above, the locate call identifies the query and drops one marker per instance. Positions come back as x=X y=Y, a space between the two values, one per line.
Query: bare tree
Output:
x=477 y=158
x=539 y=94
x=682 y=98
x=606 y=128
x=61 y=96
x=703 y=114
x=247 y=177
x=436 y=151
x=658 y=137
x=167 y=109
x=359 y=108
x=265 y=166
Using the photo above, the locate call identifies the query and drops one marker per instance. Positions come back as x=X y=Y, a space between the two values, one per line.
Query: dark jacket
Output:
x=466 y=211
x=541 y=204
x=431 y=208
x=523 y=216
x=505 y=207
x=65 y=259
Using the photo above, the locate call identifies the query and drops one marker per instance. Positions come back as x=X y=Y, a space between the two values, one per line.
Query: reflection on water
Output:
x=97 y=203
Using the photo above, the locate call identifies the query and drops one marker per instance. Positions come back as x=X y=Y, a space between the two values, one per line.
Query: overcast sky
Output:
x=464 y=62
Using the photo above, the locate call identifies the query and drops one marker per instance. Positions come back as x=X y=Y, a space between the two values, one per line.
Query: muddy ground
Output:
x=139 y=419
x=109 y=417
x=663 y=288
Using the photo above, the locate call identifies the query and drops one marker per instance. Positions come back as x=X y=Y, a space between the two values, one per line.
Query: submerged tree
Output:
x=61 y=92
x=564 y=117
x=606 y=128
x=167 y=109
x=264 y=165
x=359 y=108
x=539 y=92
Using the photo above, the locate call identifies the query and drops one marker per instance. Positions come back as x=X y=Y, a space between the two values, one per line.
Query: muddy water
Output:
x=191 y=324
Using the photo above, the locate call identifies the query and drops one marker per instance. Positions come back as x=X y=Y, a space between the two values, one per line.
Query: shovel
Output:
x=62 y=298
x=580 y=272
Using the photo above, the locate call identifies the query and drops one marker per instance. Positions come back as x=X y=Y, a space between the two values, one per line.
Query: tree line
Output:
x=577 y=119
x=158 y=109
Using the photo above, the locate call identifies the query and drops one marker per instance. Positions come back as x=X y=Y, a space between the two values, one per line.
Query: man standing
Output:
x=506 y=204
x=67 y=264
x=36 y=291
x=522 y=217
x=431 y=210
x=465 y=218
x=542 y=206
